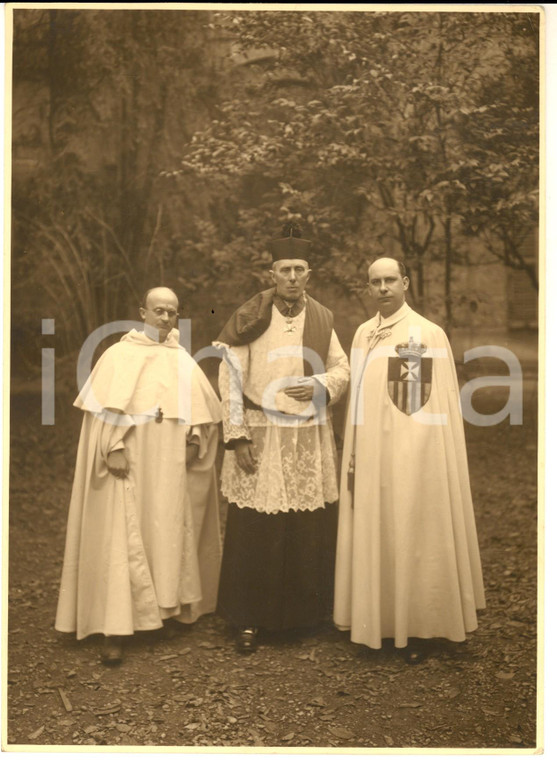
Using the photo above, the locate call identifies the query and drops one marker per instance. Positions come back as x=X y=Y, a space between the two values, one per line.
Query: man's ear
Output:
x=405 y=283
x=142 y=312
x=272 y=273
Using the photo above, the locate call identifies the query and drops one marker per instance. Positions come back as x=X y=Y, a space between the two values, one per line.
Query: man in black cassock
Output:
x=283 y=369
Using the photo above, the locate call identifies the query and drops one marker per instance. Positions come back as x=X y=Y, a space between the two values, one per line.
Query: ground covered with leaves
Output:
x=187 y=686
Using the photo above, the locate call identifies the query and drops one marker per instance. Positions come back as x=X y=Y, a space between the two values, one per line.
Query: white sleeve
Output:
x=337 y=371
x=232 y=371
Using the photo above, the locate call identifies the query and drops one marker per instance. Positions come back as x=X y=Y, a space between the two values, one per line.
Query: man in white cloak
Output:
x=143 y=540
x=407 y=563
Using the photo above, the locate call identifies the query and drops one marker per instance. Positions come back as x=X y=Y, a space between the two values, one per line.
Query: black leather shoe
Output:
x=247 y=640
x=112 y=650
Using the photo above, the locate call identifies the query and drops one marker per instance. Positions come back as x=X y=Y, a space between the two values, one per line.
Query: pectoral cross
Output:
x=290 y=327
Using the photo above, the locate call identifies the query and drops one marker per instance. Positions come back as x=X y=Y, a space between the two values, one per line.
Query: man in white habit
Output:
x=407 y=562
x=143 y=542
x=283 y=368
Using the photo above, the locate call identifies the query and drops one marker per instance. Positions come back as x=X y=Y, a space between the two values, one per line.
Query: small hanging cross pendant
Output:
x=290 y=327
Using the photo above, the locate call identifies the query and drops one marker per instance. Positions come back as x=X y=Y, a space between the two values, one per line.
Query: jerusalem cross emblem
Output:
x=409 y=377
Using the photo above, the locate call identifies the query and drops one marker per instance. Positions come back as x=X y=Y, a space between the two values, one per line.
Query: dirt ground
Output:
x=189 y=687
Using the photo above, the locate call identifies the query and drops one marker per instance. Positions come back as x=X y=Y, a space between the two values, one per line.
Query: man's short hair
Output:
x=401 y=265
x=143 y=303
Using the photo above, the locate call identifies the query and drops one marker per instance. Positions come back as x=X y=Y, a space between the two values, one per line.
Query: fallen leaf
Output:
x=107 y=710
x=389 y=741
x=288 y=737
x=167 y=657
x=317 y=701
x=36 y=733
x=505 y=675
x=341 y=733
x=66 y=702
x=123 y=728
x=488 y=711
x=411 y=704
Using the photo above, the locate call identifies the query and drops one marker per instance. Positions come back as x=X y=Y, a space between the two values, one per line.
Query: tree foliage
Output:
x=112 y=96
x=377 y=130
x=409 y=133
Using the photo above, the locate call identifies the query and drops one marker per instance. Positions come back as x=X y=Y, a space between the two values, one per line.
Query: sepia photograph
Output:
x=274 y=346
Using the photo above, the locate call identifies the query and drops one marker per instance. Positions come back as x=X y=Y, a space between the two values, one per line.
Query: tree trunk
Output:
x=532 y=273
x=420 y=284
x=448 y=275
x=51 y=67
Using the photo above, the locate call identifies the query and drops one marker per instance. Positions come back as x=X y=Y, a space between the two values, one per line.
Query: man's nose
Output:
x=383 y=287
x=164 y=316
x=292 y=275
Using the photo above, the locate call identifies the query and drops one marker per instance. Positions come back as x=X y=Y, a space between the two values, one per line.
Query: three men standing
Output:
x=143 y=539
x=283 y=368
x=407 y=562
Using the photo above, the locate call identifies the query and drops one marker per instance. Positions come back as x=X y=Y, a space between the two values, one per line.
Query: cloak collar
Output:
x=380 y=323
x=254 y=317
x=140 y=338
x=380 y=328
x=292 y=311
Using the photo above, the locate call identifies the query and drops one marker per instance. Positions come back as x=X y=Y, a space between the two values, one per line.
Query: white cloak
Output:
x=147 y=547
x=408 y=562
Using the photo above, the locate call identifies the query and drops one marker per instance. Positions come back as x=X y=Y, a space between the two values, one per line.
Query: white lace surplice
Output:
x=296 y=459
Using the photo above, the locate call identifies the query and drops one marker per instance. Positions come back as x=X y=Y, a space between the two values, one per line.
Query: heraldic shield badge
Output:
x=409 y=377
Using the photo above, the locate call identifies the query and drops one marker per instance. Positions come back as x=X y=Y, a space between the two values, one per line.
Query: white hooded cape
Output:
x=408 y=562
x=147 y=547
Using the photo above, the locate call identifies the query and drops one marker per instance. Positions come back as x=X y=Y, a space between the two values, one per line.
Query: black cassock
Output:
x=277 y=570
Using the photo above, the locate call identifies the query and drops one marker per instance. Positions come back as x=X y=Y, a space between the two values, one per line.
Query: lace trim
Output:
x=296 y=470
x=308 y=508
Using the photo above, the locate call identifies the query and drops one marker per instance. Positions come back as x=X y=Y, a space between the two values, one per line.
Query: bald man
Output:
x=407 y=564
x=143 y=540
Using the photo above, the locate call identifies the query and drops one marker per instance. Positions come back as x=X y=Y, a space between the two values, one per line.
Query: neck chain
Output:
x=290 y=326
